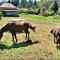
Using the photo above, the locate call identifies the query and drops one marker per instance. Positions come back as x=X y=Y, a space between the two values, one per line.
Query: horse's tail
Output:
x=51 y=31
x=31 y=27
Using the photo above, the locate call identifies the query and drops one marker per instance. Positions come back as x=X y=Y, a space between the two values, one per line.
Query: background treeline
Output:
x=42 y=7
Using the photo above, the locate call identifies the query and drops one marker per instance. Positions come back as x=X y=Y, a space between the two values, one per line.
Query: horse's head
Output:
x=1 y=34
x=34 y=28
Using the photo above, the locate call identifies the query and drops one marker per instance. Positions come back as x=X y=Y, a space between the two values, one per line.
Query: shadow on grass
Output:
x=11 y=16
x=2 y=46
x=58 y=47
x=17 y=45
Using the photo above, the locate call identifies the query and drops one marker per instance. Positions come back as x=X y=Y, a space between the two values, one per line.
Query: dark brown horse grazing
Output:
x=56 y=33
x=17 y=27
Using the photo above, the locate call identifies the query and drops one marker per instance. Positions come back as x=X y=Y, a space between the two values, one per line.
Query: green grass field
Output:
x=43 y=46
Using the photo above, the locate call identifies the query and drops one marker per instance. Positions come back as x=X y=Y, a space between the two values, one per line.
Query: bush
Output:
x=58 y=13
x=22 y=10
x=38 y=12
x=51 y=13
x=43 y=9
x=47 y=13
x=56 y=16
x=43 y=12
x=26 y=11
x=30 y=12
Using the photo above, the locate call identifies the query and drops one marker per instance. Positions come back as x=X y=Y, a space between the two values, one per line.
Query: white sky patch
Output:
x=19 y=0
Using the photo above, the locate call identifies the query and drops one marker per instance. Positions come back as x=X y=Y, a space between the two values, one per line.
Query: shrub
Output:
x=38 y=11
x=26 y=11
x=43 y=9
x=51 y=13
x=56 y=16
x=43 y=12
x=22 y=10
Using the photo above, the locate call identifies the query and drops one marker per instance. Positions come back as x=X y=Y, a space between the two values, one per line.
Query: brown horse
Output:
x=17 y=27
x=56 y=33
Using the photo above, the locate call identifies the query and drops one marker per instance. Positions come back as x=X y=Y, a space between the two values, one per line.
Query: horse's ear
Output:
x=35 y=27
x=51 y=31
x=0 y=27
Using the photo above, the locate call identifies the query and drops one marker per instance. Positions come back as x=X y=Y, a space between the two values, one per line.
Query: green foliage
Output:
x=26 y=11
x=51 y=7
x=51 y=19
x=43 y=12
x=38 y=12
x=23 y=3
x=43 y=9
x=35 y=3
x=51 y=13
x=54 y=7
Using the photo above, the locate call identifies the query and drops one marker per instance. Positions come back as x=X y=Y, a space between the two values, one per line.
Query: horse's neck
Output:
x=4 y=28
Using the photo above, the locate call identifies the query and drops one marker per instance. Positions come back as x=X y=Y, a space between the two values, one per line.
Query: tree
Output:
x=55 y=7
x=30 y=3
x=15 y=2
x=23 y=2
x=35 y=3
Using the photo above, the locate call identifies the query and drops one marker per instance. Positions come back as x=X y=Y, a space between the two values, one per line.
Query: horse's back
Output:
x=18 y=21
x=18 y=26
x=56 y=30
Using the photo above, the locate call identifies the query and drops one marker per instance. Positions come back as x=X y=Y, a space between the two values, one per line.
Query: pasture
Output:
x=42 y=46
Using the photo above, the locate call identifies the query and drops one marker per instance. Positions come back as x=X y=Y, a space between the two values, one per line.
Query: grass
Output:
x=52 y=19
x=42 y=47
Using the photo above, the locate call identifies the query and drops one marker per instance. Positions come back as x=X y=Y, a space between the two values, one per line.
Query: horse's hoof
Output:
x=28 y=41
x=16 y=42
x=24 y=41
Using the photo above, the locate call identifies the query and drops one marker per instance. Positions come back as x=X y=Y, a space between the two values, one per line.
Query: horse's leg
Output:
x=58 y=41
x=28 y=35
x=15 y=36
x=55 y=39
x=57 y=44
